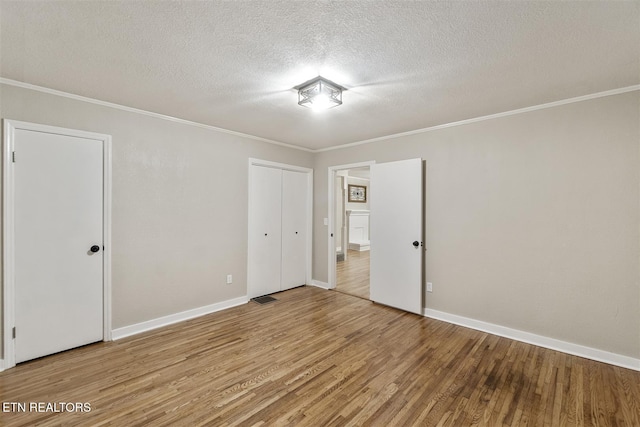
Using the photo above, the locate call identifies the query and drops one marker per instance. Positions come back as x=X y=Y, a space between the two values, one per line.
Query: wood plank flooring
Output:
x=321 y=358
x=352 y=275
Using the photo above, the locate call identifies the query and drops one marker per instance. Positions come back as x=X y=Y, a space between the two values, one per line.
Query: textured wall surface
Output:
x=532 y=220
x=179 y=203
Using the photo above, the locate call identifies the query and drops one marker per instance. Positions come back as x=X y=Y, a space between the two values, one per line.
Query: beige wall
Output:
x=179 y=203
x=532 y=220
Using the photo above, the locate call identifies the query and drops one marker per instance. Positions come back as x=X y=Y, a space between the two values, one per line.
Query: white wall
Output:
x=532 y=220
x=180 y=197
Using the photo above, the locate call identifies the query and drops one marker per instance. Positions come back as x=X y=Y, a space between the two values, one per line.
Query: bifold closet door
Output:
x=266 y=232
x=294 y=228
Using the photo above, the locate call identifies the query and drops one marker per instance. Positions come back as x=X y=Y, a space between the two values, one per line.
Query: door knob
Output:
x=416 y=243
x=95 y=248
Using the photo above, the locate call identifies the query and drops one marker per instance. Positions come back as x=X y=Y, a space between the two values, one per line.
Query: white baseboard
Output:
x=360 y=247
x=175 y=318
x=1 y=365
x=539 y=340
x=319 y=284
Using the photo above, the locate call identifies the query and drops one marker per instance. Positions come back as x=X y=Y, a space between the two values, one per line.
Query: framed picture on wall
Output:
x=357 y=193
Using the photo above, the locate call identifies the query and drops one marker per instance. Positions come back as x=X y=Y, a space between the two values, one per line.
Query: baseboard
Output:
x=319 y=284
x=539 y=340
x=360 y=247
x=1 y=365
x=175 y=318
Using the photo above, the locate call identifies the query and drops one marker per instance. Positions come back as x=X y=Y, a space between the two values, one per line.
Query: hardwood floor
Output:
x=352 y=275
x=321 y=358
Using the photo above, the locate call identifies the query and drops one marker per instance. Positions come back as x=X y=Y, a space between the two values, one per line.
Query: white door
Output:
x=265 y=230
x=396 y=234
x=58 y=181
x=294 y=229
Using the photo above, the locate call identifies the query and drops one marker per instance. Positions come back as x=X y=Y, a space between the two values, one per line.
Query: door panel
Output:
x=58 y=217
x=265 y=228
x=395 y=223
x=294 y=229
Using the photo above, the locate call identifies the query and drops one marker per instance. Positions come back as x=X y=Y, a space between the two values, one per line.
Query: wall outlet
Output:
x=429 y=287
x=229 y=279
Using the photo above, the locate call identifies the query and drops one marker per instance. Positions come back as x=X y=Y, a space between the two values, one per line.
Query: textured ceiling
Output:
x=407 y=64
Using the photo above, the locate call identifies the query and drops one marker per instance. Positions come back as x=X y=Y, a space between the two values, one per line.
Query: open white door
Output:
x=396 y=234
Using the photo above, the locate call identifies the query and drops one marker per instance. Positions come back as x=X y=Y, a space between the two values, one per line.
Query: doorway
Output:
x=57 y=240
x=349 y=193
x=396 y=266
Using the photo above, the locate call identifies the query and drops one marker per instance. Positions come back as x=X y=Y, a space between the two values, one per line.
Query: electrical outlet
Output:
x=429 y=287
x=229 y=279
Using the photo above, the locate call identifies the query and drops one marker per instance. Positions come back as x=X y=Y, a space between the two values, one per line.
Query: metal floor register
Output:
x=266 y=299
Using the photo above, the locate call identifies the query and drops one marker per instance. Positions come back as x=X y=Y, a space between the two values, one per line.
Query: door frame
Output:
x=331 y=275
x=309 y=212
x=8 y=239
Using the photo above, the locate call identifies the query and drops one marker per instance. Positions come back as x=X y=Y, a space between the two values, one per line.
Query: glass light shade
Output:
x=319 y=94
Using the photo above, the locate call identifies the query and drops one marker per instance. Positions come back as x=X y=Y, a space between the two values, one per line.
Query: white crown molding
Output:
x=539 y=340
x=489 y=117
x=618 y=91
x=175 y=318
x=23 y=85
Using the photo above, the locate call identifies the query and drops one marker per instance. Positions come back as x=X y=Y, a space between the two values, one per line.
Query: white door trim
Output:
x=331 y=276
x=309 y=225
x=8 y=257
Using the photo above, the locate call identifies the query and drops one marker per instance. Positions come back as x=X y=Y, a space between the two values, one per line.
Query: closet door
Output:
x=294 y=228
x=265 y=230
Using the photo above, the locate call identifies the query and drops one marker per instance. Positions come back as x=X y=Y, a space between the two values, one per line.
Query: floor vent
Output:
x=264 y=300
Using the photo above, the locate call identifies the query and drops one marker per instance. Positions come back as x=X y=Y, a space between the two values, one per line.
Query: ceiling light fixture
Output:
x=319 y=94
